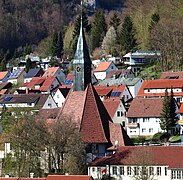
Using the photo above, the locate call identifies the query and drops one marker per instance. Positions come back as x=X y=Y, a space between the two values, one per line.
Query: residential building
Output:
x=36 y=72
x=116 y=110
x=103 y=68
x=156 y=88
x=17 y=76
x=5 y=87
x=4 y=75
x=55 y=71
x=144 y=117
x=121 y=73
x=138 y=162
x=60 y=96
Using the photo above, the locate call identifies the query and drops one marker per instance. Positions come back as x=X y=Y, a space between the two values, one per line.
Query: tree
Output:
x=3 y=64
x=99 y=28
x=127 y=37
x=57 y=44
x=168 y=114
x=27 y=50
x=154 y=20
x=109 y=41
x=28 y=65
x=115 y=21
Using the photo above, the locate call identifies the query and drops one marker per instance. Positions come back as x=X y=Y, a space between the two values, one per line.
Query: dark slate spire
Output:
x=81 y=63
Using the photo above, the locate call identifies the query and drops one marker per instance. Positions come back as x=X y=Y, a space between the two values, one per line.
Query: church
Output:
x=84 y=107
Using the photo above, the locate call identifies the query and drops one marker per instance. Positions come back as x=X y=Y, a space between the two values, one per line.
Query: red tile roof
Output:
x=103 y=66
x=145 y=107
x=47 y=83
x=34 y=81
x=50 y=71
x=111 y=105
x=170 y=156
x=167 y=75
x=68 y=177
x=70 y=76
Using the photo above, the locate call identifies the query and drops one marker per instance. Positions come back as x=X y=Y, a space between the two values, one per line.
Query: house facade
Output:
x=17 y=76
x=144 y=117
x=103 y=68
x=138 y=162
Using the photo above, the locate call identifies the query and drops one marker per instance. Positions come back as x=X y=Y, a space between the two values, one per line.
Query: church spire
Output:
x=82 y=62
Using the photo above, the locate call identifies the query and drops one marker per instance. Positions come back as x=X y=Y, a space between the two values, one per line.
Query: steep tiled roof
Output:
x=48 y=113
x=95 y=123
x=50 y=71
x=5 y=85
x=172 y=75
x=3 y=74
x=119 y=136
x=68 y=177
x=103 y=90
x=111 y=105
x=103 y=66
x=170 y=156
x=145 y=107
x=34 y=81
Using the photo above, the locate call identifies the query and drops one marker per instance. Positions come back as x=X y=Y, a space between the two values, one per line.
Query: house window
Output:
x=178 y=174
x=118 y=113
x=114 y=170
x=93 y=169
x=158 y=171
x=121 y=171
x=143 y=130
x=145 y=119
x=150 y=130
x=144 y=170
x=148 y=90
x=57 y=95
x=151 y=170
x=165 y=171
x=173 y=174
x=129 y=170
x=49 y=104
x=136 y=171
x=98 y=169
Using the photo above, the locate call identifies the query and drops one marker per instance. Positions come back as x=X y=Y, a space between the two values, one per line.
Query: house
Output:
x=144 y=117
x=156 y=88
x=4 y=76
x=103 y=68
x=104 y=92
x=133 y=84
x=36 y=72
x=43 y=84
x=116 y=110
x=17 y=76
x=55 y=71
x=70 y=78
x=172 y=75
x=140 y=162
x=60 y=96
x=121 y=73
x=36 y=101
x=138 y=58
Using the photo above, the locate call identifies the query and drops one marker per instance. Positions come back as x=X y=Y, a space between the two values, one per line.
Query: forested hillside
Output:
x=154 y=24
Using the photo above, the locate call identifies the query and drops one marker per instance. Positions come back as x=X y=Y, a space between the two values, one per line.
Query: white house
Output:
x=140 y=162
x=144 y=117
x=17 y=76
x=103 y=68
x=60 y=96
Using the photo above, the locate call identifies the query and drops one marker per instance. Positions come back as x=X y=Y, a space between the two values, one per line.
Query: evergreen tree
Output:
x=3 y=64
x=127 y=39
x=99 y=29
x=166 y=117
x=27 y=50
x=57 y=44
x=115 y=21
x=173 y=113
x=28 y=65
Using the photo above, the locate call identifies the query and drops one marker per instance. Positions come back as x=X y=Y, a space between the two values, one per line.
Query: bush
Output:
x=160 y=137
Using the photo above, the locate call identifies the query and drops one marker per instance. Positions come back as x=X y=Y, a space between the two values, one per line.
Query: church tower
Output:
x=81 y=63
